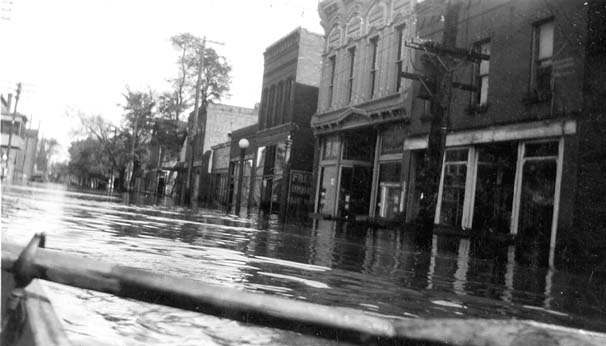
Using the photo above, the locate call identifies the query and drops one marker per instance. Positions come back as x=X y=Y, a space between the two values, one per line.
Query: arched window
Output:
x=400 y=6
x=334 y=38
x=354 y=28
x=400 y=48
x=376 y=17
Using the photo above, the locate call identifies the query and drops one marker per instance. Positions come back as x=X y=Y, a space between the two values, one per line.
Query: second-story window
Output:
x=332 y=62
x=350 y=80
x=399 y=55
x=374 y=49
x=279 y=104
x=287 y=97
x=263 y=111
x=542 y=57
x=481 y=74
x=271 y=108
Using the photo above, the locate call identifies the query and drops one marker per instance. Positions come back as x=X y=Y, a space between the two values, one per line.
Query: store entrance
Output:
x=354 y=194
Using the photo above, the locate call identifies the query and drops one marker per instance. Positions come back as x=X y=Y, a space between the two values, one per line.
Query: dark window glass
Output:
x=455 y=155
x=453 y=193
x=541 y=149
x=358 y=146
x=494 y=187
x=392 y=141
x=352 y=58
x=270 y=160
x=374 y=43
x=390 y=172
x=542 y=56
x=331 y=86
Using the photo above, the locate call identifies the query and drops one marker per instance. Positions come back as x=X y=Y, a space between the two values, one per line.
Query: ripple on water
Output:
x=379 y=271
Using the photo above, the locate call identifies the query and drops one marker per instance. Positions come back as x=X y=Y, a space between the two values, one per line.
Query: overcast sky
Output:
x=79 y=55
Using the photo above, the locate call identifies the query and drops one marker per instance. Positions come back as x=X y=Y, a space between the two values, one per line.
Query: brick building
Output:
x=514 y=161
x=285 y=143
x=249 y=201
x=16 y=136
x=219 y=175
x=362 y=108
x=214 y=124
x=523 y=149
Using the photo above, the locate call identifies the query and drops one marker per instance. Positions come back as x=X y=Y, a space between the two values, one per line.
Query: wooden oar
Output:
x=319 y=320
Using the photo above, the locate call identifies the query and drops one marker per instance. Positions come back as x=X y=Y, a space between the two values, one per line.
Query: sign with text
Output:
x=299 y=191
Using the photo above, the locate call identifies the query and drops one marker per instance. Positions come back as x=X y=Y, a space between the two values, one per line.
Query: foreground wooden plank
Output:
x=37 y=323
x=45 y=327
x=330 y=322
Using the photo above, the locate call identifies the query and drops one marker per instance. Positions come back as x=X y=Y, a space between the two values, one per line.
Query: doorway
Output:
x=354 y=191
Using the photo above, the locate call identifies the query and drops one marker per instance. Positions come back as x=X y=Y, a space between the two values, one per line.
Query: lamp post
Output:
x=243 y=144
x=285 y=180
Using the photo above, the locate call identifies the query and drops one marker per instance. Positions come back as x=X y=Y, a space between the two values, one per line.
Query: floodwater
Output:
x=387 y=272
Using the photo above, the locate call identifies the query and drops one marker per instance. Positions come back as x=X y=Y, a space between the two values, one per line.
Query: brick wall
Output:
x=309 y=61
x=509 y=27
x=223 y=119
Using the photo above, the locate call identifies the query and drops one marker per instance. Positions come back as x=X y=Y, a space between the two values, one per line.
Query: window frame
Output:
x=351 y=51
x=374 y=43
x=332 y=61
x=478 y=76
x=470 y=184
x=536 y=62
x=399 y=55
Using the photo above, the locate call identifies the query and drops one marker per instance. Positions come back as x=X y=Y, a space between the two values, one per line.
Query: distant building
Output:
x=160 y=172
x=214 y=124
x=219 y=175
x=291 y=77
x=26 y=160
x=248 y=200
x=16 y=137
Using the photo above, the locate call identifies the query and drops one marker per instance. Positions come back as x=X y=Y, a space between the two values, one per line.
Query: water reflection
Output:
x=397 y=273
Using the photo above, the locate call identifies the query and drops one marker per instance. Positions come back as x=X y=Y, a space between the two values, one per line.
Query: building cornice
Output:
x=375 y=112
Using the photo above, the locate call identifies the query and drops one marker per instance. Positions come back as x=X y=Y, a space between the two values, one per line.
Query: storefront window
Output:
x=453 y=188
x=328 y=182
x=494 y=187
x=330 y=148
x=390 y=190
x=270 y=160
x=392 y=140
x=260 y=161
x=280 y=158
x=358 y=146
x=537 y=193
x=417 y=183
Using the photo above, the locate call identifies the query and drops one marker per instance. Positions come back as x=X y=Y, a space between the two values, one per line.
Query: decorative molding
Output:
x=503 y=133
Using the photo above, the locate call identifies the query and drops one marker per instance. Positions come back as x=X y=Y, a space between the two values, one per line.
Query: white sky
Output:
x=79 y=55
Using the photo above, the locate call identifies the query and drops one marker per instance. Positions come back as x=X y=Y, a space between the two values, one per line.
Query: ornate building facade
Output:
x=363 y=108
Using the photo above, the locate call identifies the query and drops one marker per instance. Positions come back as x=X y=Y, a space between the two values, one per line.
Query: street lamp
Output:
x=243 y=144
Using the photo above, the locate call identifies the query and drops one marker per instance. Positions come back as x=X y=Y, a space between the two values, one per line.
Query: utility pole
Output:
x=439 y=64
x=26 y=146
x=188 y=184
x=191 y=137
x=10 y=135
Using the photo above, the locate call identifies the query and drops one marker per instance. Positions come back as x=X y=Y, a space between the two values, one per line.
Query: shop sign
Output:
x=299 y=191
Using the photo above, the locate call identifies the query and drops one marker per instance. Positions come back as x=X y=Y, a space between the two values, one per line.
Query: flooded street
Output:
x=388 y=272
